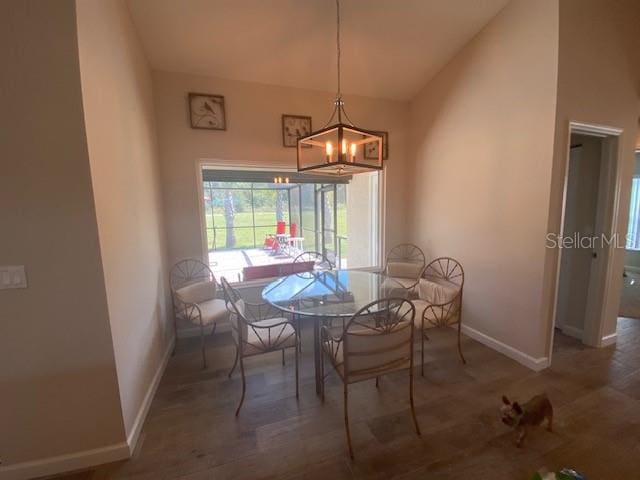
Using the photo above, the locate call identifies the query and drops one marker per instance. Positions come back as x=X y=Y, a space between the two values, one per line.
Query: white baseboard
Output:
x=536 y=364
x=632 y=269
x=90 y=458
x=65 y=463
x=572 y=331
x=134 y=435
x=609 y=340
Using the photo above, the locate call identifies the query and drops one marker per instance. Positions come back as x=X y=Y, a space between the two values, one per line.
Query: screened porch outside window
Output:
x=337 y=217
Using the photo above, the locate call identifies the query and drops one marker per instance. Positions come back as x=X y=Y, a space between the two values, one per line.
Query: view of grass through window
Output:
x=251 y=222
x=241 y=215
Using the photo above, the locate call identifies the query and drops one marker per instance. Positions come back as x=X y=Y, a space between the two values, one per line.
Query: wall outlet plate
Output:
x=12 y=276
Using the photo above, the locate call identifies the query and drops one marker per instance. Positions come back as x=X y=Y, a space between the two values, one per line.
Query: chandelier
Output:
x=340 y=148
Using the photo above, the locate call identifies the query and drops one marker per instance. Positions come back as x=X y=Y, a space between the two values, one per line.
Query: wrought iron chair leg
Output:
x=413 y=409
x=377 y=382
x=297 y=377
x=321 y=371
x=422 y=349
x=175 y=335
x=459 y=342
x=244 y=385
x=283 y=356
x=215 y=324
x=204 y=356
x=346 y=419
x=235 y=362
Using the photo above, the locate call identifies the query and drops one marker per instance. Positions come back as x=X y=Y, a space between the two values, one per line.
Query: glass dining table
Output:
x=318 y=296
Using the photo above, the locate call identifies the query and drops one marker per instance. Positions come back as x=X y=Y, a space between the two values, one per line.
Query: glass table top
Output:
x=337 y=293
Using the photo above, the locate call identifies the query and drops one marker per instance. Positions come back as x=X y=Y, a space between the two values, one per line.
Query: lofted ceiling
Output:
x=390 y=48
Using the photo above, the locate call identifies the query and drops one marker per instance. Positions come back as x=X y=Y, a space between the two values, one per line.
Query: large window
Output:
x=242 y=211
x=633 y=232
x=241 y=214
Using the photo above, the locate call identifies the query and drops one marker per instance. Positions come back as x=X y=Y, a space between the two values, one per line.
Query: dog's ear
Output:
x=517 y=408
x=505 y=400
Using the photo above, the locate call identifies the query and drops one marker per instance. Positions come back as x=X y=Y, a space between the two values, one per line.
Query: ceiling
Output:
x=390 y=48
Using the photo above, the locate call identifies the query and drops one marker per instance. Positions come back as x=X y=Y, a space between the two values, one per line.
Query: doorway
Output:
x=587 y=239
x=327 y=214
x=630 y=297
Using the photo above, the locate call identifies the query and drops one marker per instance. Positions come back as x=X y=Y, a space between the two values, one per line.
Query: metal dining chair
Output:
x=377 y=340
x=439 y=302
x=257 y=328
x=194 y=298
x=320 y=262
x=405 y=263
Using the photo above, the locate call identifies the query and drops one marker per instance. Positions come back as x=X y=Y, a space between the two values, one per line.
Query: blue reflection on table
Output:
x=335 y=293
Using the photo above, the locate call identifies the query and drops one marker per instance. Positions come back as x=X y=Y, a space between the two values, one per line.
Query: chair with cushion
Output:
x=377 y=340
x=311 y=261
x=257 y=328
x=439 y=302
x=405 y=263
x=320 y=262
x=193 y=293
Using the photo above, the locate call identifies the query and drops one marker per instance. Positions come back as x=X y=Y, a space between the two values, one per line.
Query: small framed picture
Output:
x=371 y=149
x=294 y=127
x=207 y=111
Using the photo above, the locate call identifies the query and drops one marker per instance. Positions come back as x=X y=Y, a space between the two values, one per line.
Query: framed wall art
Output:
x=294 y=127
x=207 y=111
x=371 y=149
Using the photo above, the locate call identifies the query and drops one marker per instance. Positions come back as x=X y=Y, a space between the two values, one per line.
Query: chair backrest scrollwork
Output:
x=378 y=339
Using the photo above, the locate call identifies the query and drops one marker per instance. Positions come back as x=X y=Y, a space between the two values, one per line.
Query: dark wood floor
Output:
x=192 y=434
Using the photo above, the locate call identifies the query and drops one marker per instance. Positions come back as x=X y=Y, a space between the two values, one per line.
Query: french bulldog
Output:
x=522 y=417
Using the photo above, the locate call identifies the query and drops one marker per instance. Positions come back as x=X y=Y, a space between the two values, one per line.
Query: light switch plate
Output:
x=12 y=276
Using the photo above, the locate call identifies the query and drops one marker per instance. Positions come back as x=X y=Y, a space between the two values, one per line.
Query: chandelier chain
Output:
x=339 y=95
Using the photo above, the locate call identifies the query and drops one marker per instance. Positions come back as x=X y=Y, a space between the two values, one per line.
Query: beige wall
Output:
x=360 y=221
x=119 y=115
x=482 y=137
x=598 y=83
x=254 y=136
x=58 y=383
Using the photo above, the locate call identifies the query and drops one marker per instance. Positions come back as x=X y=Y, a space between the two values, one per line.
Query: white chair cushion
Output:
x=437 y=291
x=404 y=269
x=386 y=353
x=213 y=311
x=397 y=287
x=259 y=340
x=406 y=282
x=197 y=292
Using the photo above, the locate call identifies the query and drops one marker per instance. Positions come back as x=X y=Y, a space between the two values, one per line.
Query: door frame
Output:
x=611 y=153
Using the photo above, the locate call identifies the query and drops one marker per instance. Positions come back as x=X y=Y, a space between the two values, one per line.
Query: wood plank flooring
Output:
x=191 y=432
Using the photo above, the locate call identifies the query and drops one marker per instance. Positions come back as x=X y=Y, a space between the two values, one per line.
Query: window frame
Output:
x=202 y=164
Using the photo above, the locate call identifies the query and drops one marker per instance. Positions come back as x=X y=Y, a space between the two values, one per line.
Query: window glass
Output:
x=633 y=231
x=242 y=218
